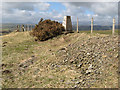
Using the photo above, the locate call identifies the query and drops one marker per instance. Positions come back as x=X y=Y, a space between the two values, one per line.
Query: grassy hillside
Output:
x=27 y=63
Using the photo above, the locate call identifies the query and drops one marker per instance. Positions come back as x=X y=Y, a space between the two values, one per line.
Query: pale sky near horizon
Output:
x=31 y=12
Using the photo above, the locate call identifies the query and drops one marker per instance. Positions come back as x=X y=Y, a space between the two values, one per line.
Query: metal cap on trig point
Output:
x=67 y=23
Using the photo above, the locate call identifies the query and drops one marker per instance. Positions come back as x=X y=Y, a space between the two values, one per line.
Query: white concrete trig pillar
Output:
x=113 y=29
x=67 y=23
x=77 y=26
x=92 y=25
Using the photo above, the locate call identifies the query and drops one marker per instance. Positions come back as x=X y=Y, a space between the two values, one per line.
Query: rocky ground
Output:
x=75 y=60
x=94 y=58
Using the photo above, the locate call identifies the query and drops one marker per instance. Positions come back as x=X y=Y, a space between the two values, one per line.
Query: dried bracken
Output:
x=47 y=29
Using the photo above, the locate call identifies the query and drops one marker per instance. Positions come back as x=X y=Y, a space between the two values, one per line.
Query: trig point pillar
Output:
x=67 y=23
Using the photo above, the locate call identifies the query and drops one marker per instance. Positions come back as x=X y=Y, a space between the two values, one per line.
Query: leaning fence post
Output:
x=113 y=30
x=92 y=25
x=77 y=26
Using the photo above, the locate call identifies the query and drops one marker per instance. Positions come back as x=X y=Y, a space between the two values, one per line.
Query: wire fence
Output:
x=76 y=27
x=25 y=27
x=94 y=27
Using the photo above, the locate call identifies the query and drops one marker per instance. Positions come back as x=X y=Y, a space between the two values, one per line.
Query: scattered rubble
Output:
x=90 y=58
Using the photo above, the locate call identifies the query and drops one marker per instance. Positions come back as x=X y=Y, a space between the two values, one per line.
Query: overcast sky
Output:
x=31 y=12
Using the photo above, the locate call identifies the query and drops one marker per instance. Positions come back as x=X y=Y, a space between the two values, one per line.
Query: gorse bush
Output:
x=47 y=29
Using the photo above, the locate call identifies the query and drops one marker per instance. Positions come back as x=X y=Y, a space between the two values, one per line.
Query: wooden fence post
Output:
x=113 y=29
x=92 y=25
x=31 y=27
x=77 y=26
x=26 y=27
x=23 y=28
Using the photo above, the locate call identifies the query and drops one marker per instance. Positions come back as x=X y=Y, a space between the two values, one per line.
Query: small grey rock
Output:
x=4 y=42
x=88 y=72
x=50 y=50
x=62 y=80
x=62 y=49
x=77 y=82
x=80 y=65
x=75 y=86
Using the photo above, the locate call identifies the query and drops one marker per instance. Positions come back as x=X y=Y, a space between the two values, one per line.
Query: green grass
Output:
x=6 y=29
x=3 y=30
x=99 y=31
x=21 y=46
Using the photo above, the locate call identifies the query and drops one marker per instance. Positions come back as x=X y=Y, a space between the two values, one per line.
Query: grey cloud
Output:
x=29 y=6
x=102 y=11
x=9 y=6
x=102 y=8
x=24 y=12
